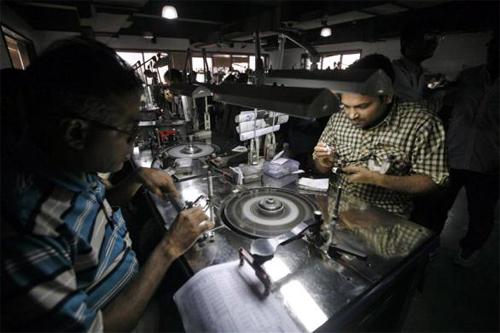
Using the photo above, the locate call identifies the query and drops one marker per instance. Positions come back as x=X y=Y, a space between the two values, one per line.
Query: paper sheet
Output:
x=320 y=184
x=222 y=298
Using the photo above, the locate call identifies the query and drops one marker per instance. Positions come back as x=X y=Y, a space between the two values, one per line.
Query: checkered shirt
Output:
x=410 y=138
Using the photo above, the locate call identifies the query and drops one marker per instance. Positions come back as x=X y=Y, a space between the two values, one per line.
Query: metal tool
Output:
x=177 y=203
x=260 y=272
x=269 y=146
x=263 y=249
x=253 y=153
x=335 y=214
x=333 y=248
x=180 y=205
x=210 y=234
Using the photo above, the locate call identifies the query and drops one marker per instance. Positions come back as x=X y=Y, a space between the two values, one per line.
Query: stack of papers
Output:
x=222 y=298
x=320 y=184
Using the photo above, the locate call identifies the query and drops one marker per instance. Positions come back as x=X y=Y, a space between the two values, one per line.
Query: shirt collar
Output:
x=411 y=66
x=36 y=161
x=389 y=118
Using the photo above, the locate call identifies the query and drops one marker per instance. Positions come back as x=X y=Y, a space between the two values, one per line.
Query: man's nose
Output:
x=352 y=114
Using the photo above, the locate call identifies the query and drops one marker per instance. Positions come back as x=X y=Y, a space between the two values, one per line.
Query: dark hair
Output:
x=375 y=61
x=173 y=75
x=77 y=76
x=493 y=42
x=414 y=32
x=411 y=32
x=12 y=101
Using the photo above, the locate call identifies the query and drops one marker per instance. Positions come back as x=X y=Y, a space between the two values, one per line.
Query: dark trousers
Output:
x=482 y=193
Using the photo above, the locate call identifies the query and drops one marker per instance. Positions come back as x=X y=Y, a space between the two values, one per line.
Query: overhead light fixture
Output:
x=325 y=31
x=148 y=35
x=169 y=12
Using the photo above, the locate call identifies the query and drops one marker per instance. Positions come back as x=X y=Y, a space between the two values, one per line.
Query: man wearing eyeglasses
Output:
x=67 y=262
x=387 y=151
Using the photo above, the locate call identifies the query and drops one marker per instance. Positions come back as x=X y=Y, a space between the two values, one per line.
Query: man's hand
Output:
x=412 y=184
x=324 y=155
x=125 y=310
x=190 y=223
x=157 y=181
x=361 y=175
x=169 y=96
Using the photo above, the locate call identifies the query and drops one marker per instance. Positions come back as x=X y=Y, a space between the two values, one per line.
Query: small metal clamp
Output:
x=259 y=270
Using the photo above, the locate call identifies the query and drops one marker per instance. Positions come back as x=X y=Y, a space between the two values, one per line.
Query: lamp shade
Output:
x=169 y=12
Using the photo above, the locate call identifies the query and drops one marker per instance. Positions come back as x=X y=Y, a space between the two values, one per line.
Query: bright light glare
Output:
x=169 y=12
x=326 y=32
x=191 y=193
x=301 y=303
x=276 y=269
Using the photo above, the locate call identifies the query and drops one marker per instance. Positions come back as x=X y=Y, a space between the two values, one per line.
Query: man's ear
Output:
x=74 y=132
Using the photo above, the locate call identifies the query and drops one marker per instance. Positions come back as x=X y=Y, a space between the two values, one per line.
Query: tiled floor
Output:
x=455 y=299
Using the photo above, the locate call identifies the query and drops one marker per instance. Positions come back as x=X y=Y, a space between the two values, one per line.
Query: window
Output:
x=251 y=63
x=340 y=60
x=161 y=70
x=178 y=60
x=330 y=62
x=19 y=48
x=143 y=61
x=132 y=58
x=240 y=63
x=198 y=67
x=348 y=59
x=223 y=63
x=135 y=59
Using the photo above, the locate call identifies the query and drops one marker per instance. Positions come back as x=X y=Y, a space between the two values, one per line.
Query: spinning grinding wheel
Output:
x=191 y=150
x=265 y=212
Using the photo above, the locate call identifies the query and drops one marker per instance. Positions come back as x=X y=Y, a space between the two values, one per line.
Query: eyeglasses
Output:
x=132 y=133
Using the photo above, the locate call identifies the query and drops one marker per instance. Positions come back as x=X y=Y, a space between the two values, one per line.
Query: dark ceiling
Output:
x=206 y=22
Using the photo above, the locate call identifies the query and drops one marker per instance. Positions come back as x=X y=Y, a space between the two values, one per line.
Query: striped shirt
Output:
x=408 y=141
x=65 y=254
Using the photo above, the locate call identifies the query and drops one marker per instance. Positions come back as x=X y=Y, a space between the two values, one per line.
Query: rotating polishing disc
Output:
x=191 y=150
x=265 y=212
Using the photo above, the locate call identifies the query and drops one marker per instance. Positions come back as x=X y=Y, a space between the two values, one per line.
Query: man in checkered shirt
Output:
x=386 y=151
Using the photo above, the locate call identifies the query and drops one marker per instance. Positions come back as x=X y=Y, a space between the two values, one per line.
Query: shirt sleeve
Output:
x=40 y=291
x=428 y=155
x=327 y=135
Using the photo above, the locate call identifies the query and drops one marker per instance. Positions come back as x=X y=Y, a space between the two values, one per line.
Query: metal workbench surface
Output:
x=329 y=291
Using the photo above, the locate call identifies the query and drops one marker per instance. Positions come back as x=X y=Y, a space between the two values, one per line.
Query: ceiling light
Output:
x=148 y=35
x=325 y=31
x=169 y=12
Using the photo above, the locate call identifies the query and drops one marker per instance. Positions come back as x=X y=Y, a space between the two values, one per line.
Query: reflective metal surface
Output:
x=297 y=102
x=320 y=289
x=364 y=82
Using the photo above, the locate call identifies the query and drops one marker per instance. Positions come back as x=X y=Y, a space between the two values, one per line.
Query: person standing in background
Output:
x=411 y=79
x=473 y=152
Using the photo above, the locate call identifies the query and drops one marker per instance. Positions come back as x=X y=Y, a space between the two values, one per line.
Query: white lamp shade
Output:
x=169 y=12
x=326 y=32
